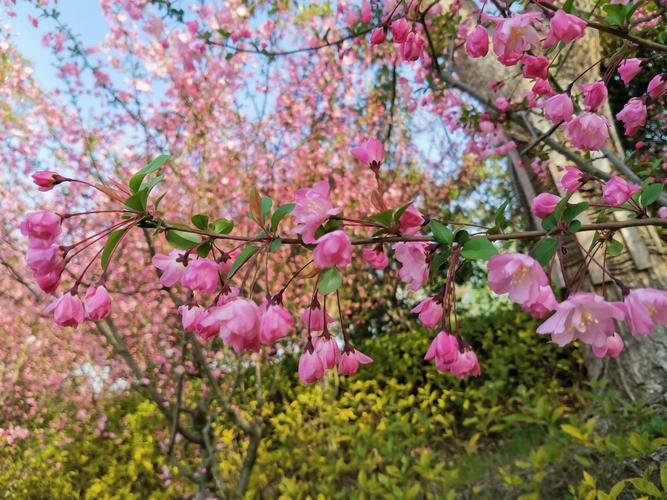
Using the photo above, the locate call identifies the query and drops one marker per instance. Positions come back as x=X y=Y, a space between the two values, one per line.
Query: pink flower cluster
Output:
x=449 y=357
x=410 y=43
x=322 y=353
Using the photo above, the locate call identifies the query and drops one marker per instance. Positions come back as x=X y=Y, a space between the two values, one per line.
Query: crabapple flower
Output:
x=171 y=266
x=311 y=368
x=239 y=324
x=543 y=304
x=430 y=312
x=519 y=275
x=613 y=347
x=444 y=350
x=628 y=69
x=313 y=207
x=535 y=67
x=558 y=108
x=595 y=95
x=97 y=303
x=376 y=258
x=411 y=221
x=477 y=42
x=327 y=350
x=662 y=212
x=514 y=35
x=617 y=191
x=502 y=104
x=588 y=131
x=46 y=180
x=371 y=152
x=583 y=316
x=350 y=361
x=633 y=115
x=49 y=282
x=333 y=250
x=657 y=86
x=314 y=318
x=275 y=323
x=400 y=30
x=41 y=227
x=378 y=36
x=465 y=364
x=189 y=316
x=542 y=87
x=414 y=269
x=67 y=310
x=44 y=260
x=210 y=329
x=366 y=12
x=644 y=308
x=412 y=48
x=566 y=27
x=544 y=204
x=572 y=180
x=201 y=275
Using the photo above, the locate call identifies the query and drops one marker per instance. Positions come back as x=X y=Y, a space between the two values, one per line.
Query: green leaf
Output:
x=223 y=226
x=567 y=6
x=478 y=249
x=441 y=233
x=247 y=252
x=200 y=221
x=385 y=218
x=501 y=221
x=330 y=281
x=275 y=245
x=138 y=201
x=461 y=236
x=545 y=251
x=663 y=476
x=646 y=486
x=112 y=241
x=138 y=178
x=617 y=489
x=437 y=262
x=549 y=222
x=267 y=203
x=614 y=248
x=401 y=211
x=280 y=213
x=573 y=211
x=651 y=193
x=575 y=226
x=616 y=14
x=204 y=249
x=183 y=240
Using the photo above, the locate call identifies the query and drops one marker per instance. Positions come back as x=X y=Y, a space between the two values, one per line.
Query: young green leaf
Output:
x=401 y=210
x=614 y=248
x=385 y=218
x=138 y=178
x=441 y=233
x=575 y=226
x=223 y=226
x=330 y=281
x=183 y=240
x=267 y=203
x=478 y=249
x=245 y=254
x=573 y=211
x=651 y=193
x=200 y=221
x=545 y=251
x=112 y=241
x=275 y=245
x=204 y=249
x=279 y=214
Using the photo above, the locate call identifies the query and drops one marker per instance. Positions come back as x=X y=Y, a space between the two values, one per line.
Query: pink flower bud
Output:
x=412 y=48
x=44 y=260
x=411 y=221
x=41 y=227
x=617 y=191
x=333 y=250
x=201 y=275
x=366 y=12
x=400 y=30
x=657 y=86
x=595 y=95
x=662 y=212
x=370 y=152
x=49 y=282
x=430 y=312
x=466 y=364
x=572 y=179
x=558 y=108
x=46 y=180
x=477 y=42
x=535 y=67
x=633 y=116
x=378 y=36
x=567 y=27
x=313 y=318
x=375 y=258
x=275 y=323
x=588 y=131
x=311 y=368
x=327 y=349
x=444 y=349
x=542 y=305
x=544 y=204
x=67 y=310
x=97 y=302
x=613 y=347
x=350 y=361
x=543 y=87
x=628 y=69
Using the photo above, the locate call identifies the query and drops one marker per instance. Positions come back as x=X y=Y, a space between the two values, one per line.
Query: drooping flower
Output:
x=595 y=95
x=414 y=269
x=206 y=330
x=558 y=108
x=327 y=349
x=535 y=67
x=49 y=282
x=311 y=368
x=67 y=310
x=613 y=347
x=370 y=152
x=616 y=191
x=201 y=275
x=41 y=227
x=477 y=42
x=376 y=258
x=44 y=261
x=366 y=12
x=628 y=69
x=645 y=307
x=275 y=323
x=657 y=86
x=410 y=221
x=633 y=116
x=444 y=350
x=97 y=303
x=313 y=207
x=411 y=49
x=350 y=361
x=543 y=304
x=46 y=180
x=465 y=364
x=430 y=312
x=543 y=87
x=172 y=267
x=189 y=316
x=572 y=180
x=400 y=30
x=514 y=35
x=378 y=36
x=544 y=204
x=583 y=316
x=566 y=27
x=519 y=275
x=239 y=324
x=588 y=131
x=334 y=249
x=313 y=318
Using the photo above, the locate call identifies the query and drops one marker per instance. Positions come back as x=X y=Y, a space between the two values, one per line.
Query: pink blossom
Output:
x=612 y=348
x=41 y=227
x=567 y=27
x=657 y=86
x=189 y=316
x=206 y=329
x=477 y=42
x=44 y=260
x=514 y=35
x=414 y=269
x=544 y=204
x=444 y=349
x=350 y=361
x=201 y=275
x=411 y=49
x=430 y=312
x=543 y=304
x=633 y=115
x=378 y=36
x=542 y=87
x=97 y=303
x=311 y=368
x=616 y=191
x=67 y=310
x=535 y=67
x=588 y=131
x=239 y=324
x=595 y=94
x=645 y=307
x=583 y=316
x=327 y=350
x=502 y=104
x=313 y=318
x=376 y=258
x=46 y=180
x=628 y=69
x=333 y=250
x=519 y=275
x=400 y=30
x=313 y=208
x=49 y=282
x=171 y=266
x=558 y=108
x=275 y=323
x=411 y=221
x=662 y=212
x=366 y=12
x=465 y=364
x=572 y=180
x=371 y=152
